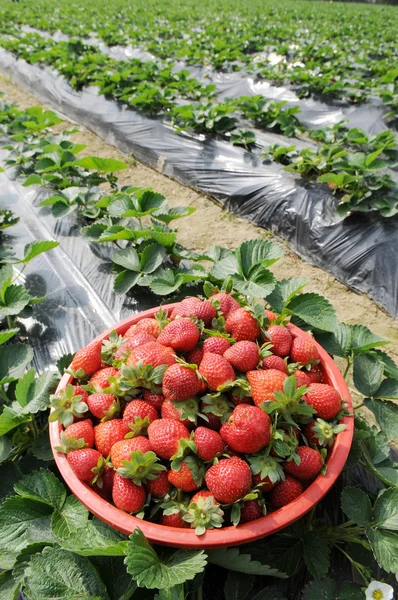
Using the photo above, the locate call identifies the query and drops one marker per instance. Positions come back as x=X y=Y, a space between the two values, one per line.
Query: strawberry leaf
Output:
x=368 y=374
x=356 y=505
x=72 y=517
x=284 y=292
x=316 y=553
x=98 y=540
x=234 y=559
x=314 y=310
x=42 y=486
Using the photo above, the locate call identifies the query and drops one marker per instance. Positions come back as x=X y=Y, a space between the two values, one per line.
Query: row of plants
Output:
x=49 y=545
x=340 y=51
x=347 y=159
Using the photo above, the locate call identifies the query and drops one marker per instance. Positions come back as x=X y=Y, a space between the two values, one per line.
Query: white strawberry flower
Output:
x=379 y=591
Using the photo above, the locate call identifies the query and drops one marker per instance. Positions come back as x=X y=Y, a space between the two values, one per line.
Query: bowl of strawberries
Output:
x=204 y=423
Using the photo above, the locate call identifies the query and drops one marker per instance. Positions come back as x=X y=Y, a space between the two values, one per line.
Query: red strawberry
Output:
x=100 y=379
x=125 y=349
x=281 y=339
x=123 y=449
x=87 y=359
x=164 y=436
x=147 y=325
x=194 y=357
x=195 y=307
x=130 y=332
x=208 y=442
x=104 y=489
x=152 y=353
x=239 y=397
x=303 y=351
x=263 y=384
x=227 y=303
x=247 y=430
x=316 y=374
x=181 y=335
x=202 y=494
x=185 y=412
x=285 y=492
x=243 y=356
x=79 y=391
x=138 y=415
x=127 y=495
x=216 y=370
x=216 y=344
x=159 y=487
x=189 y=476
x=82 y=430
x=250 y=511
x=174 y=520
x=217 y=410
x=242 y=325
x=302 y=378
x=155 y=399
x=320 y=433
x=229 y=480
x=266 y=482
x=325 y=399
x=271 y=316
x=103 y=406
x=180 y=382
x=83 y=462
x=108 y=433
x=274 y=362
x=310 y=464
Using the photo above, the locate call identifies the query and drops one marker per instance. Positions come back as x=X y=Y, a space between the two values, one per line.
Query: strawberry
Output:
x=271 y=316
x=229 y=480
x=281 y=340
x=324 y=399
x=250 y=511
x=208 y=442
x=151 y=353
x=322 y=434
x=138 y=415
x=181 y=335
x=186 y=412
x=247 y=430
x=173 y=520
x=180 y=382
x=81 y=430
x=217 y=409
x=265 y=484
x=227 y=303
x=316 y=374
x=195 y=307
x=127 y=495
x=141 y=467
x=239 y=397
x=125 y=349
x=165 y=435
x=310 y=464
x=243 y=356
x=155 y=399
x=103 y=406
x=147 y=325
x=100 y=379
x=216 y=344
x=123 y=449
x=202 y=494
x=86 y=360
x=302 y=378
x=274 y=362
x=108 y=433
x=242 y=325
x=104 y=485
x=263 y=384
x=285 y=492
x=83 y=461
x=159 y=487
x=69 y=405
x=216 y=370
x=304 y=351
x=189 y=476
x=194 y=357
x=204 y=512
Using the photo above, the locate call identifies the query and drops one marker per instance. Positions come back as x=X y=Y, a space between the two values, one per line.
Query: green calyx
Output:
x=285 y=443
x=266 y=466
x=185 y=447
x=326 y=432
x=138 y=376
x=236 y=509
x=188 y=409
x=112 y=412
x=204 y=514
x=217 y=404
x=141 y=467
x=194 y=465
x=290 y=402
x=162 y=317
x=69 y=443
x=138 y=427
x=266 y=350
x=99 y=471
x=66 y=406
x=109 y=347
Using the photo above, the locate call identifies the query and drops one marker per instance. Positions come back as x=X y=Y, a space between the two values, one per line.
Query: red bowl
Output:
x=226 y=536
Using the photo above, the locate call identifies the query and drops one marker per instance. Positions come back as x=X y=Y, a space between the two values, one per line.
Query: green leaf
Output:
x=119 y=584
x=261 y=283
x=316 y=553
x=238 y=586
x=385 y=548
x=98 y=540
x=23 y=521
x=153 y=571
x=9 y=588
x=152 y=257
x=5 y=447
x=253 y=252
x=102 y=165
x=35 y=248
x=41 y=448
x=32 y=180
x=338 y=342
x=350 y=591
x=356 y=505
x=57 y=574
x=324 y=589
x=386 y=414
x=7 y=334
x=33 y=393
x=225 y=267
x=175 y=213
x=388 y=389
x=363 y=339
x=125 y=280
x=127 y=258
x=368 y=374
x=72 y=517
x=234 y=560
x=386 y=509
x=9 y=419
x=13 y=361
x=42 y=486
x=10 y=473
x=284 y=292
x=314 y=310
x=14 y=301
x=167 y=283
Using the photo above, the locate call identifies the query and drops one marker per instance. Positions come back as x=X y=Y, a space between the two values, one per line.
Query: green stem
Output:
x=19 y=274
x=4 y=395
x=369 y=467
x=199 y=593
x=347 y=368
x=357 y=566
x=10 y=322
x=34 y=427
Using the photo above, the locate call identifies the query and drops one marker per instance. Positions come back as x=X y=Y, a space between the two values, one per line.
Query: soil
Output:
x=211 y=224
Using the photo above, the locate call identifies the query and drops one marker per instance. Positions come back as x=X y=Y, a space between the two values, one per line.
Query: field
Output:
x=197 y=146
